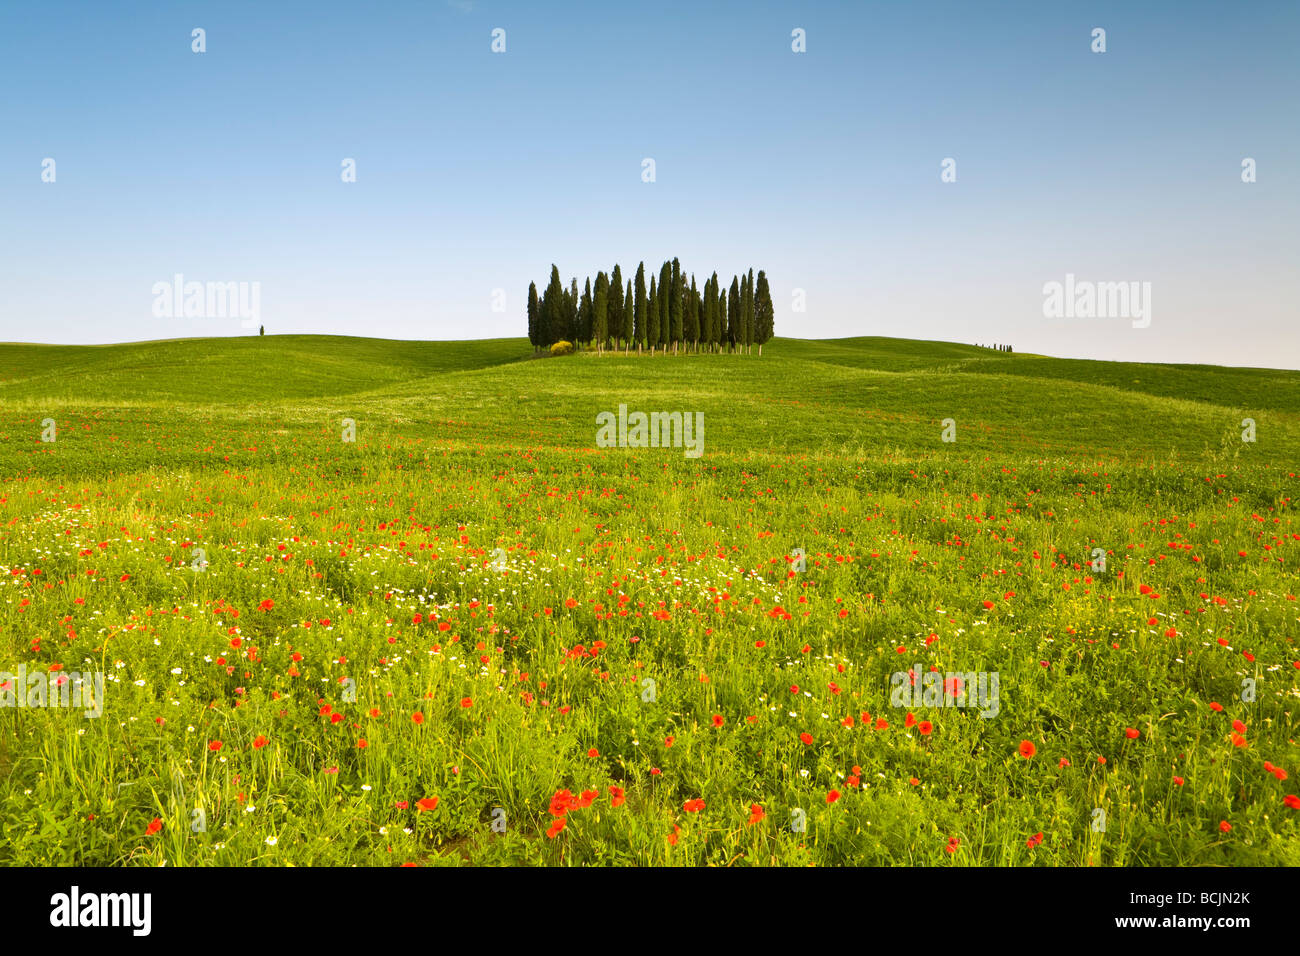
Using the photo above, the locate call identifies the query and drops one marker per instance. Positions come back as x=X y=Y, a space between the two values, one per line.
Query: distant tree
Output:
x=553 y=310
x=652 y=317
x=616 y=304
x=261 y=330
x=628 y=323
x=639 y=317
x=764 y=315
x=691 y=323
x=750 y=332
x=713 y=337
x=571 y=311
x=724 y=320
x=665 y=297
x=534 y=315
x=675 y=300
x=735 y=320
x=600 y=311
x=585 y=314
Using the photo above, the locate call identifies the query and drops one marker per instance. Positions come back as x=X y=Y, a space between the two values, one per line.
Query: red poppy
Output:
x=832 y=796
x=926 y=728
x=806 y=738
x=428 y=803
x=259 y=742
x=717 y=720
x=466 y=702
x=1132 y=733
x=154 y=826
x=214 y=745
x=1027 y=748
x=756 y=813
x=418 y=717
x=693 y=806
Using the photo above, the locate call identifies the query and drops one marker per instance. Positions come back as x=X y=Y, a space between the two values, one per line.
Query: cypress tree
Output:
x=764 y=315
x=616 y=304
x=585 y=314
x=711 y=311
x=724 y=320
x=571 y=311
x=639 y=317
x=665 y=295
x=748 y=307
x=553 y=309
x=533 y=312
x=652 y=317
x=600 y=311
x=692 y=320
x=675 y=305
x=735 y=328
x=628 y=327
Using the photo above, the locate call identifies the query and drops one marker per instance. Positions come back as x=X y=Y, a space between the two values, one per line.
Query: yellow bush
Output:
x=562 y=348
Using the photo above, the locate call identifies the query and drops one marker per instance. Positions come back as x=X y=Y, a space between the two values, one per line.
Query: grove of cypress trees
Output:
x=764 y=315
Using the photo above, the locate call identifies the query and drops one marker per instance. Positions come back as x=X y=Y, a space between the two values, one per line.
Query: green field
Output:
x=586 y=655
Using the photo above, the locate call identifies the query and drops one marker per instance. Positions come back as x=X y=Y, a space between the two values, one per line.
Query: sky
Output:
x=476 y=170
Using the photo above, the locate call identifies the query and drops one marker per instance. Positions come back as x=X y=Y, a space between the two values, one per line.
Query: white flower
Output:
x=271 y=841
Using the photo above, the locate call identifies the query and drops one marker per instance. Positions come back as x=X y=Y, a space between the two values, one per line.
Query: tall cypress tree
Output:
x=628 y=326
x=571 y=311
x=747 y=306
x=737 y=328
x=764 y=315
x=585 y=314
x=691 y=323
x=652 y=317
x=711 y=306
x=724 y=320
x=534 y=311
x=675 y=305
x=600 y=311
x=665 y=296
x=553 y=309
x=616 y=304
x=639 y=316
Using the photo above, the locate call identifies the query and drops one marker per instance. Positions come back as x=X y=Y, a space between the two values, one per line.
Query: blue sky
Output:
x=476 y=170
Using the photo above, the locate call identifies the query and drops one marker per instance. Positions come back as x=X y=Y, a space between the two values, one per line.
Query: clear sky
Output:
x=476 y=170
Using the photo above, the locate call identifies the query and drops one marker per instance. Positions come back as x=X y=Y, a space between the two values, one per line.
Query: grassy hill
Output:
x=356 y=652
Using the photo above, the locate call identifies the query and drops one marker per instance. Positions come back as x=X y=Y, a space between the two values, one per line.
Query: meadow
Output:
x=471 y=636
